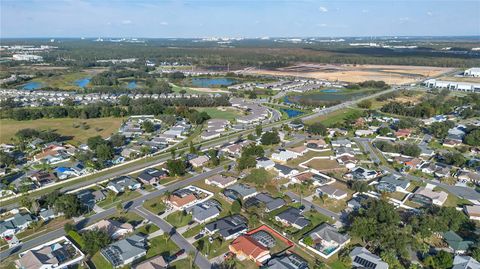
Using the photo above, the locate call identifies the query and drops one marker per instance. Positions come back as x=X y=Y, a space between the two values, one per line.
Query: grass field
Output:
x=334 y=117
x=321 y=164
x=64 y=126
x=226 y=113
x=100 y=262
x=67 y=81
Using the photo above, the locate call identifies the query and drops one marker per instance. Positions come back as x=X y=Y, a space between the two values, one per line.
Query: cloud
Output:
x=364 y=10
x=126 y=22
x=429 y=13
x=322 y=9
x=404 y=19
x=163 y=23
x=322 y=25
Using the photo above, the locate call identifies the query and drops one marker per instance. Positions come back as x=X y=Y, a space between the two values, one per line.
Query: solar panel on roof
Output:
x=365 y=263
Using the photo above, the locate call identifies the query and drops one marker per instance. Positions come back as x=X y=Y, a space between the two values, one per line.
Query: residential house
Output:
x=392 y=183
x=58 y=253
x=220 y=181
x=357 y=201
x=42 y=178
x=228 y=227
x=472 y=211
x=287 y=261
x=342 y=143
x=157 y=262
x=199 y=161
x=151 y=176
x=49 y=214
x=266 y=200
x=284 y=171
x=245 y=247
x=318 y=180
x=206 y=211
x=264 y=162
x=362 y=258
x=465 y=262
x=90 y=197
x=361 y=174
x=300 y=150
x=403 y=133
x=210 y=135
x=283 y=156
x=456 y=243
x=181 y=199
x=327 y=240
x=427 y=196
x=19 y=222
x=113 y=228
x=469 y=176
x=125 y=251
x=292 y=217
x=236 y=148
x=120 y=184
x=316 y=144
x=331 y=192
x=239 y=192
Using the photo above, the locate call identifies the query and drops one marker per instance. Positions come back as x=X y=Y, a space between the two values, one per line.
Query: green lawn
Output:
x=219 y=246
x=113 y=199
x=226 y=113
x=178 y=219
x=338 y=265
x=182 y=264
x=64 y=126
x=193 y=231
x=147 y=229
x=100 y=262
x=161 y=245
x=336 y=116
x=155 y=205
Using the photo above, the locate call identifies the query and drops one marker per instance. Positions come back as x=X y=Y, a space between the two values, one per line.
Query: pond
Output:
x=212 y=82
x=291 y=113
x=33 y=85
x=82 y=83
x=330 y=90
x=132 y=84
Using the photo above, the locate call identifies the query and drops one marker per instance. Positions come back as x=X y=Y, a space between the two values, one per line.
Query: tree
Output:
x=475 y=253
x=258 y=130
x=308 y=241
x=148 y=126
x=236 y=207
x=441 y=260
x=213 y=154
x=95 y=240
x=69 y=205
x=270 y=138
x=440 y=129
x=259 y=177
x=95 y=141
x=360 y=186
x=366 y=104
x=317 y=128
x=383 y=131
x=117 y=140
x=193 y=150
x=104 y=152
x=69 y=227
x=176 y=167
x=472 y=138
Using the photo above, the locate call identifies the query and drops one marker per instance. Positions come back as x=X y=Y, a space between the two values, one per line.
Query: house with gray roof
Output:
x=229 y=227
x=293 y=217
x=362 y=258
x=284 y=171
x=239 y=192
x=287 y=261
x=456 y=243
x=125 y=251
x=205 y=211
x=15 y=224
x=465 y=262
x=326 y=240
x=266 y=200
x=48 y=214
x=120 y=184
x=392 y=183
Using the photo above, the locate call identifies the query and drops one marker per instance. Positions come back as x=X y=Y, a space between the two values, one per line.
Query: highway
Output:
x=104 y=214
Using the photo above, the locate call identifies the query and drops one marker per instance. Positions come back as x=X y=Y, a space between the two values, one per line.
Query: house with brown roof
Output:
x=245 y=247
x=113 y=228
x=472 y=211
x=181 y=199
x=403 y=133
x=316 y=144
x=157 y=262
x=199 y=161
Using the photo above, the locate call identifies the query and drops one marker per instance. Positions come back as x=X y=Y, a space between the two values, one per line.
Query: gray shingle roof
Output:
x=293 y=216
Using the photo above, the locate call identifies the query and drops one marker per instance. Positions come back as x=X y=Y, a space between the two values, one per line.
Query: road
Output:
x=177 y=238
x=366 y=145
x=319 y=209
x=102 y=215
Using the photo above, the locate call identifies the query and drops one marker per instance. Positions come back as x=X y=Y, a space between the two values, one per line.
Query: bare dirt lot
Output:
x=391 y=74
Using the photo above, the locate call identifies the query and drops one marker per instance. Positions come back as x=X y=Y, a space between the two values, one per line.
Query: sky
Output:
x=235 y=18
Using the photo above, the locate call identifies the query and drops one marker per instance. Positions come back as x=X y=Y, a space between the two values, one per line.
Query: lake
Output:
x=212 y=82
x=132 y=84
x=292 y=112
x=33 y=85
x=82 y=83
x=330 y=90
